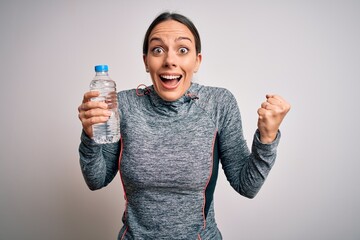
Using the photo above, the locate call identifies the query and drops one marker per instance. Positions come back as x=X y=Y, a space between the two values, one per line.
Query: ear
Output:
x=145 y=63
x=198 y=62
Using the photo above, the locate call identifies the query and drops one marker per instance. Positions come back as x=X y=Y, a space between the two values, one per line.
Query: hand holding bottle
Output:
x=99 y=112
x=91 y=112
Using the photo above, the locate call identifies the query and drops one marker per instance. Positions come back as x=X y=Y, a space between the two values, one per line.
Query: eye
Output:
x=183 y=50
x=157 y=50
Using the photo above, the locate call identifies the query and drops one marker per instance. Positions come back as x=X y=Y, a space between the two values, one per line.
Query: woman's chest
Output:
x=167 y=152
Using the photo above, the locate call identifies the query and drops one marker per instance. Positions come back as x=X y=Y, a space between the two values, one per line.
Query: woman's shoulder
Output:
x=127 y=95
x=127 y=92
x=217 y=94
x=129 y=99
x=216 y=102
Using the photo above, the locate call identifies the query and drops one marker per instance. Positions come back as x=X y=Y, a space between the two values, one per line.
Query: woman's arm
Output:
x=245 y=170
x=99 y=162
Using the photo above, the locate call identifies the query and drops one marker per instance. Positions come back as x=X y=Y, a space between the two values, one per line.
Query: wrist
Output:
x=267 y=137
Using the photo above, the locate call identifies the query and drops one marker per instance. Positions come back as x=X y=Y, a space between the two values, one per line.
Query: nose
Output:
x=170 y=59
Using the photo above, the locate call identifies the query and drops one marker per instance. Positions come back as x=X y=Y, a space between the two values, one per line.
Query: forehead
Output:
x=171 y=28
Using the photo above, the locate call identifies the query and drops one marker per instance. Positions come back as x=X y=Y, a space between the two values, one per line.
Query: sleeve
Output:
x=98 y=162
x=246 y=171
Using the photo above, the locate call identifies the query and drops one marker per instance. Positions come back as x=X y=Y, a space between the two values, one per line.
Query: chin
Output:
x=169 y=94
x=170 y=97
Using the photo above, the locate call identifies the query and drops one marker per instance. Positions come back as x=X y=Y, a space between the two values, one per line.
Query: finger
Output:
x=89 y=95
x=261 y=112
x=274 y=108
x=94 y=120
x=264 y=104
x=91 y=105
x=96 y=112
x=84 y=115
x=267 y=105
x=274 y=101
x=275 y=96
x=264 y=113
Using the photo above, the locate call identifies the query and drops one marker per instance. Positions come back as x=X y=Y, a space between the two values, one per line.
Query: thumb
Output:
x=269 y=96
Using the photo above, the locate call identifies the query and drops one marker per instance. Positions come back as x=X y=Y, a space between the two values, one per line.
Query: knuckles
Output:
x=92 y=121
x=274 y=111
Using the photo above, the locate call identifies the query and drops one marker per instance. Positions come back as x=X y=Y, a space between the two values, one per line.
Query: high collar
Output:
x=173 y=106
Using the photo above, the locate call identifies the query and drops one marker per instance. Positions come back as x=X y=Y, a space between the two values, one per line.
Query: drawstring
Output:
x=192 y=96
x=145 y=90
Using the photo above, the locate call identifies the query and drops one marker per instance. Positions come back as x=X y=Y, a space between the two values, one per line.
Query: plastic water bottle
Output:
x=109 y=131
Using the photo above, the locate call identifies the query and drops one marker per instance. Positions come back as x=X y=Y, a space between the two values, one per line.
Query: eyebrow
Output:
x=155 y=39
x=177 y=39
x=182 y=38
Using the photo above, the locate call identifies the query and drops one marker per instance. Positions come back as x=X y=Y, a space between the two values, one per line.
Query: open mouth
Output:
x=170 y=81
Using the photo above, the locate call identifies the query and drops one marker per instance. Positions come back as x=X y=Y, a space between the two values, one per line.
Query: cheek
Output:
x=190 y=66
x=154 y=63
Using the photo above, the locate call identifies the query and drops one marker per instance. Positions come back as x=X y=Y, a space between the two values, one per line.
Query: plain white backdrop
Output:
x=306 y=51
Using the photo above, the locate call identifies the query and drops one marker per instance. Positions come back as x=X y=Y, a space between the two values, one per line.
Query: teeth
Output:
x=170 y=77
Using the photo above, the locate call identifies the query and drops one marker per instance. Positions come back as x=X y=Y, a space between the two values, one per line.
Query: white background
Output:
x=306 y=51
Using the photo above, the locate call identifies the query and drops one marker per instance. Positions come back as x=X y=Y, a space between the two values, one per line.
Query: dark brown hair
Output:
x=177 y=17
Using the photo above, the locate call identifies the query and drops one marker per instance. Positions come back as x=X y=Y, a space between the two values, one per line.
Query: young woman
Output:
x=174 y=134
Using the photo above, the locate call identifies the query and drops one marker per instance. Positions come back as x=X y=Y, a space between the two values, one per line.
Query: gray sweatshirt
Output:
x=168 y=159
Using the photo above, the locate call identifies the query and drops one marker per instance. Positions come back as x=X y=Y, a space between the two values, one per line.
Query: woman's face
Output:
x=171 y=59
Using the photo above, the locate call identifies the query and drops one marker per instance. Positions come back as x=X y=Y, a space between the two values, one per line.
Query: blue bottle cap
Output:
x=101 y=68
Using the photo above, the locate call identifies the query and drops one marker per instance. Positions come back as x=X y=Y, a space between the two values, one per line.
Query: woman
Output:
x=173 y=136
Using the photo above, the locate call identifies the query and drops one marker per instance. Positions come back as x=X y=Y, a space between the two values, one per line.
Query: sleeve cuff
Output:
x=87 y=140
x=265 y=150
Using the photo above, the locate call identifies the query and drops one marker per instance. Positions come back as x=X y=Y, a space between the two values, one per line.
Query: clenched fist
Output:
x=271 y=113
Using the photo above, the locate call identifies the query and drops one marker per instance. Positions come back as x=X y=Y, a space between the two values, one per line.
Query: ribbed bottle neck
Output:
x=104 y=73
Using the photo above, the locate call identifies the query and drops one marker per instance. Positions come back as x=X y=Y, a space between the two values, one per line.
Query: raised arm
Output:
x=246 y=170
